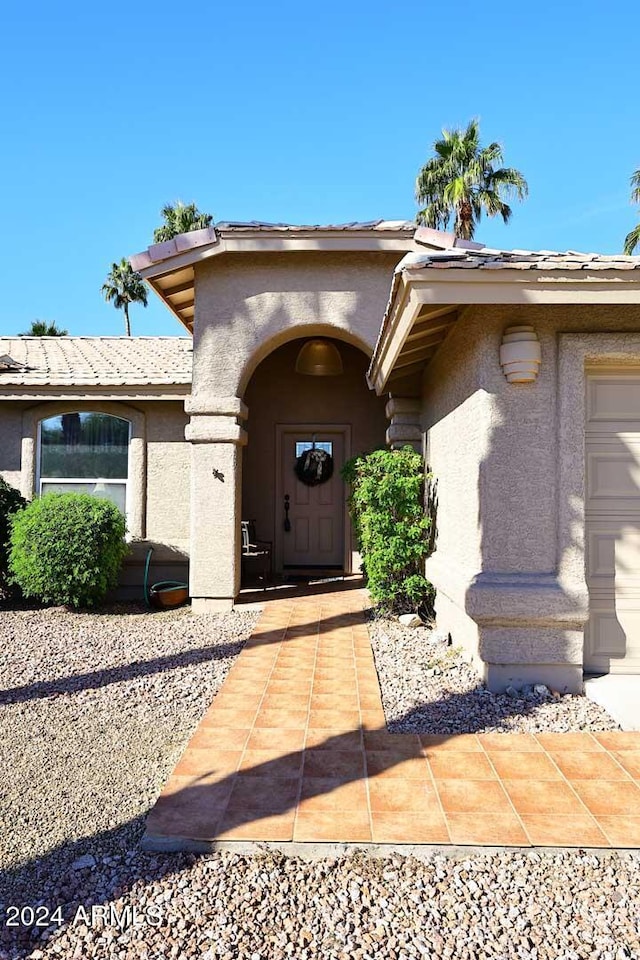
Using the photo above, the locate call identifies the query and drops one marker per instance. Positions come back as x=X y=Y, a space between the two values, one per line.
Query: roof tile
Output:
x=257 y=225
x=487 y=259
x=158 y=252
x=97 y=361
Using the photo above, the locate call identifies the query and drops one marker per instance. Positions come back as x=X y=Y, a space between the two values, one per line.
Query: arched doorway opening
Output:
x=289 y=412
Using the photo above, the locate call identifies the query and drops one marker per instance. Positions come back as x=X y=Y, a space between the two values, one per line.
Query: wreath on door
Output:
x=314 y=467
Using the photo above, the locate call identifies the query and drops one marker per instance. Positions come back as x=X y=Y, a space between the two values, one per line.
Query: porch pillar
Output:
x=216 y=436
x=404 y=428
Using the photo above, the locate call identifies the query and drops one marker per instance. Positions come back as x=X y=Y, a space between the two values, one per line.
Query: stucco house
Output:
x=104 y=415
x=517 y=373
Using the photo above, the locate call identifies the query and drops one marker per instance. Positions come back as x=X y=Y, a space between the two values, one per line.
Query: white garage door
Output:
x=612 y=638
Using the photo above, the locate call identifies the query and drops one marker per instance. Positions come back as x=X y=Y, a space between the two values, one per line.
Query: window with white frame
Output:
x=85 y=453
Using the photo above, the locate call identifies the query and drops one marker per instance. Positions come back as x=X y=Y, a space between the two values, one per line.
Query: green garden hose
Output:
x=146 y=577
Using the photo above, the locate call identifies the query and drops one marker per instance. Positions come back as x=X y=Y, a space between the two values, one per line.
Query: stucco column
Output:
x=28 y=460
x=216 y=436
x=404 y=427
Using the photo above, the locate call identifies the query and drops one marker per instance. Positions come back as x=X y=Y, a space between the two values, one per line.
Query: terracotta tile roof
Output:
x=452 y=252
x=211 y=236
x=407 y=226
x=95 y=361
x=484 y=258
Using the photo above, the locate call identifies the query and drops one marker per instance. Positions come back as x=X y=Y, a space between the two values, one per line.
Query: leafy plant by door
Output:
x=394 y=532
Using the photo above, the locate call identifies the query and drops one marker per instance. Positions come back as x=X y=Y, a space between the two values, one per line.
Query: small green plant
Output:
x=393 y=531
x=67 y=548
x=10 y=503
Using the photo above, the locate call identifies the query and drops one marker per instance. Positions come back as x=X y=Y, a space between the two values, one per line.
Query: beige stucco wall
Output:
x=162 y=474
x=11 y=441
x=246 y=307
x=278 y=395
x=168 y=474
x=246 y=304
x=512 y=589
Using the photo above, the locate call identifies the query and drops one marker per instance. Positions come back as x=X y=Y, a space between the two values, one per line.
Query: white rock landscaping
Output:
x=428 y=687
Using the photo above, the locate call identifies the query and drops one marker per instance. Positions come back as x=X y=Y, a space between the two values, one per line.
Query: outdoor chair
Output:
x=257 y=555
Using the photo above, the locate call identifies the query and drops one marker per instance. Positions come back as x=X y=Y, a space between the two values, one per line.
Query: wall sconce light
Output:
x=319 y=358
x=520 y=354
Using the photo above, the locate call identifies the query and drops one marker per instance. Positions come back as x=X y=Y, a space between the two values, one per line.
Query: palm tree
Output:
x=463 y=181
x=180 y=218
x=122 y=287
x=633 y=239
x=40 y=328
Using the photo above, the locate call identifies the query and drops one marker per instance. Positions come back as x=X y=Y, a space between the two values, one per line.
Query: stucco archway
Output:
x=299 y=333
x=288 y=407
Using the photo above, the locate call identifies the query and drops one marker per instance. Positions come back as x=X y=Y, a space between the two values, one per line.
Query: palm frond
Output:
x=124 y=286
x=632 y=240
x=434 y=215
x=455 y=191
x=472 y=134
x=40 y=328
x=510 y=181
x=180 y=218
x=493 y=205
x=461 y=181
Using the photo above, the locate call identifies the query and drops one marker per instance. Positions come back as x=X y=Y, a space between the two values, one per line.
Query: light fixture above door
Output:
x=319 y=358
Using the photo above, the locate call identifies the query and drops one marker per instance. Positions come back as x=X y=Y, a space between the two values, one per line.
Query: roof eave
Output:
x=388 y=344
x=187 y=324
x=162 y=260
x=273 y=242
x=132 y=392
x=414 y=289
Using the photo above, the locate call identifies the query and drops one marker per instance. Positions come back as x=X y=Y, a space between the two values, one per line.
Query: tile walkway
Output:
x=295 y=748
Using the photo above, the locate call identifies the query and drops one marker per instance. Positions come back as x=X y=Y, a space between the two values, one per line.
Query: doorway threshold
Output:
x=298 y=587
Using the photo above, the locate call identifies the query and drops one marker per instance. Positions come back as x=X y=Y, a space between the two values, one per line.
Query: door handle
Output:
x=287 y=522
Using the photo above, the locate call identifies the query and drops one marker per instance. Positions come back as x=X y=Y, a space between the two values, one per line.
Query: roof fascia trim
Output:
x=250 y=243
x=178 y=261
x=539 y=286
x=40 y=392
x=399 y=322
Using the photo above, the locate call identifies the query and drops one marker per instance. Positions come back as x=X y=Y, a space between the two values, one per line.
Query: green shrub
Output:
x=394 y=534
x=10 y=503
x=67 y=548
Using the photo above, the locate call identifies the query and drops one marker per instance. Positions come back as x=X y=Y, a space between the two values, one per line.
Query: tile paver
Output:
x=294 y=748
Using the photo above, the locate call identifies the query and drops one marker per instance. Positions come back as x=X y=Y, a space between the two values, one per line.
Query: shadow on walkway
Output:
x=173 y=661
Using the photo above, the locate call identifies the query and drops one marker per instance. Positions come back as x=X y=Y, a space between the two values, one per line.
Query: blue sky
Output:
x=303 y=112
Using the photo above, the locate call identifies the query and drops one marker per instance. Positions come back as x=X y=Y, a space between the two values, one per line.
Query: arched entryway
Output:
x=288 y=412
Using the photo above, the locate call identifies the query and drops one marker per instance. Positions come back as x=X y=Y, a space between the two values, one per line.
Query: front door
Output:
x=311 y=518
x=612 y=520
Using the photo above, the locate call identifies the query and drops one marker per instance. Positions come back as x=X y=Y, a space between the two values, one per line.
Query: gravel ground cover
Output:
x=428 y=687
x=565 y=906
x=95 y=709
